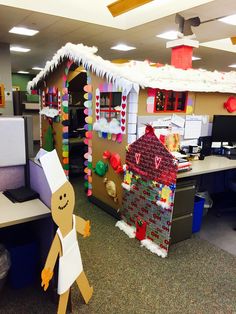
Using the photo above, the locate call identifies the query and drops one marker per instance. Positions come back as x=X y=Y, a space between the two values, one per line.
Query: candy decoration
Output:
x=111 y=189
x=100 y=168
x=59 y=103
x=65 y=119
x=88 y=134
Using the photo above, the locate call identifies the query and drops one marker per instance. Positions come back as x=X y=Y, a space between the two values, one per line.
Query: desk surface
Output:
x=15 y=213
x=208 y=165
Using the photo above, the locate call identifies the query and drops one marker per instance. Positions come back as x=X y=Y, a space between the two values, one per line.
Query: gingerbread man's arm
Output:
x=82 y=226
x=47 y=272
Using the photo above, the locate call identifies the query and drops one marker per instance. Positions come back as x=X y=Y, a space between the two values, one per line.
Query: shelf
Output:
x=31 y=106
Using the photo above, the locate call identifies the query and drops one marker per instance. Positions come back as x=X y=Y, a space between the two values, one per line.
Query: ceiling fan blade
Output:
x=121 y=6
x=233 y=40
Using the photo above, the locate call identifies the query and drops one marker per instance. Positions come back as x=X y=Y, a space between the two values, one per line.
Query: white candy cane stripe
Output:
x=43 y=99
x=59 y=103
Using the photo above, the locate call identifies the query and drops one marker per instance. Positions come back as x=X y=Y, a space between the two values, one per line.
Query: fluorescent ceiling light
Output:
x=37 y=68
x=232 y=66
x=23 y=72
x=123 y=47
x=23 y=31
x=168 y=35
x=231 y=19
x=19 y=49
x=195 y=58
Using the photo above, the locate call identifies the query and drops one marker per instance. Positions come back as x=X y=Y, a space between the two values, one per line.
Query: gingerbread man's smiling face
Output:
x=62 y=203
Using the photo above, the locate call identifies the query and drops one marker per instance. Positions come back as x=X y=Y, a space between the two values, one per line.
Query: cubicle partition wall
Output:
x=26 y=228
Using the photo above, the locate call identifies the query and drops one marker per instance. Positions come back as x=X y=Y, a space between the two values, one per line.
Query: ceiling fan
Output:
x=122 y=6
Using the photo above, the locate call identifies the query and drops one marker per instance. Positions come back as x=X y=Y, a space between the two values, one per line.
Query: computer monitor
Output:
x=224 y=128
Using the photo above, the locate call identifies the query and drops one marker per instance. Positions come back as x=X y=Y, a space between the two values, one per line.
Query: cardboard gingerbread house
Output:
x=90 y=105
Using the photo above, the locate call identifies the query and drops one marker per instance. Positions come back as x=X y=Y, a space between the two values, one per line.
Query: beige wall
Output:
x=211 y=103
x=203 y=104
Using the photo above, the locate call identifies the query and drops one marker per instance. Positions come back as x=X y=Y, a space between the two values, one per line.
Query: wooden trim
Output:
x=121 y=6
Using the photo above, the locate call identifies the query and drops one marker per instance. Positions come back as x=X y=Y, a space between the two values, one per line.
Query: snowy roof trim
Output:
x=140 y=74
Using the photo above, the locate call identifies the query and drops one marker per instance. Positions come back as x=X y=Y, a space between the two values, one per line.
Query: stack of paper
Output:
x=184 y=165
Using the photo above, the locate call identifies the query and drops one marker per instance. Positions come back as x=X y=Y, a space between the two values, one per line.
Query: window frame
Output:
x=167 y=95
x=110 y=110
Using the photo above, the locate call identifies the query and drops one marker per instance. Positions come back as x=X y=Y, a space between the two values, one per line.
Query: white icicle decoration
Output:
x=141 y=74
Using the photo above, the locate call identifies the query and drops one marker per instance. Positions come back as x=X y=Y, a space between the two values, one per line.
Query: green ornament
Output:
x=100 y=168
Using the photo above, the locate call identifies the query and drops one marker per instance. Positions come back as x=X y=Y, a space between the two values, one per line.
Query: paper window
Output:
x=168 y=101
x=110 y=105
x=51 y=99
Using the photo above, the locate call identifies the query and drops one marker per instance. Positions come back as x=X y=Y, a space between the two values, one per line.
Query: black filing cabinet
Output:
x=183 y=210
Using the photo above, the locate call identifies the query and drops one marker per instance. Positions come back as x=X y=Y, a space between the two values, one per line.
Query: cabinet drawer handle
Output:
x=185 y=188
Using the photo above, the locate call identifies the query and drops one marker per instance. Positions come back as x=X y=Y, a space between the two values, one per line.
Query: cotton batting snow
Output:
x=130 y=231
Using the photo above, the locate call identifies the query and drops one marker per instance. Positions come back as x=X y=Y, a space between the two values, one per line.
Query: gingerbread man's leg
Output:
x=84 y=287
x=63 y=300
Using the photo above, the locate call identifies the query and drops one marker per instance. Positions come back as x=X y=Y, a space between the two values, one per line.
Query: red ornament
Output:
x=230 y=104
x=106 y=154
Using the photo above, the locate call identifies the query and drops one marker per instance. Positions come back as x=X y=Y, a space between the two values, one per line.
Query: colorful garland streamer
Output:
x=65 y=120
x=88 y=134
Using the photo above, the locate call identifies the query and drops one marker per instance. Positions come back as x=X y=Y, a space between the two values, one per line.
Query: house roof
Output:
x=149 y=158
x=138 y=74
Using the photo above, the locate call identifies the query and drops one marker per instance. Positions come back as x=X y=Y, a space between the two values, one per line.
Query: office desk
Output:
x=16 y=213
x=208 y=165
x=27 y=222
x=185 y=193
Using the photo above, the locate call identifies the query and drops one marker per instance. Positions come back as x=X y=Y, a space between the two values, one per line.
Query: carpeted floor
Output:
x=197 y=277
